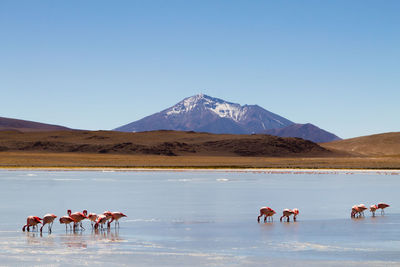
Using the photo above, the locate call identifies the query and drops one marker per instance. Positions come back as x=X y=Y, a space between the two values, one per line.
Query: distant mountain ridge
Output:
x=9 y=124
x=306 y=131
x=203 y=113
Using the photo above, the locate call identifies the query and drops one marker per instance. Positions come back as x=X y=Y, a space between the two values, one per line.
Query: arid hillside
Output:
x=8 y=124
x=386 y=144
x=169 y=143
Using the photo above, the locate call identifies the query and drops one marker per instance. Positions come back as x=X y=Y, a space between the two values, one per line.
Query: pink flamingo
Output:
x=67 y=221
x=116 y=215
x=101 y=219
x=372 y=209
x=288 y=212
x=361 y=208
x=31 y=221
x=355 y=210
x=382 y=206
x=267 y=212
x=48 y=219
x=108 y=215
x=92 y=217
x=78 y=217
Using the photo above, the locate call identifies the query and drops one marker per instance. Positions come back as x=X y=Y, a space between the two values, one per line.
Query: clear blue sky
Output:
x=102 y=64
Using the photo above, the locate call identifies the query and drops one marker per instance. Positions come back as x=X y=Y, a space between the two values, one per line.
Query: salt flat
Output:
x=202 y=218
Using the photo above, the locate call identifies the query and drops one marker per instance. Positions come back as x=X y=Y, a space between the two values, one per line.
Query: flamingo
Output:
x=108 y=215
x=362 y=207
x=116 y=215
x=354 y=211
x=101 y=219
x=48 y=219
x=31 y=221
x=67 y=221
x=92 y=217
x=78 y=217
x=266 y=212
x=287 y=213
x=372 y=209
x=383 y=206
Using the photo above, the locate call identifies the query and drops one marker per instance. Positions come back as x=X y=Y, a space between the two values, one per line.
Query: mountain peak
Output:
x=204 y=113
x=218 y=106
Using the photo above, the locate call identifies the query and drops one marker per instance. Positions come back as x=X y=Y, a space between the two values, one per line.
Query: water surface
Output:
x=197 y=218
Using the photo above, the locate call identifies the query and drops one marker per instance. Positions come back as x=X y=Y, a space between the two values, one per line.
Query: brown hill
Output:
x=7 y=124
x=373 y=145
x=169 y=143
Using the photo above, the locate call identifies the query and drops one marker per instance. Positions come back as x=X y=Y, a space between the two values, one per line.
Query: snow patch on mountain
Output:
x=222 y=108
x=227 y=110
x=185 y=105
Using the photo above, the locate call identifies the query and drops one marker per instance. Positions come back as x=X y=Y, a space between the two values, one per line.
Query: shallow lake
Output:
x=197 y=218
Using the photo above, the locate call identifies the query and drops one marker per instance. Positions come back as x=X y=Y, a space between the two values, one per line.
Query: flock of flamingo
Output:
x=76 y=218
x=108 y=217
x=356 y=212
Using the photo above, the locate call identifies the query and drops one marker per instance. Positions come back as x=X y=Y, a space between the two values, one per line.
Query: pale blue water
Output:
x=197 y=218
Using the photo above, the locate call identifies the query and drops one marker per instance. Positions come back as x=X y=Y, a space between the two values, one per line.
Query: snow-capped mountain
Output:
x=202 y=113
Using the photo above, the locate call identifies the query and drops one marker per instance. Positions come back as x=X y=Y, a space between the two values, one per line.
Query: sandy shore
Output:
x=83 y=161
x=236 y=170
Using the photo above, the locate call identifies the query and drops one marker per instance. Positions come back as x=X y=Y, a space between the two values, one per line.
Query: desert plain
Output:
x=174 y=149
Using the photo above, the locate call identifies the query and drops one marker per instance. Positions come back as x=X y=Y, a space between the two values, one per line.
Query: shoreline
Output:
x=209 y=169
x=92 y=161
